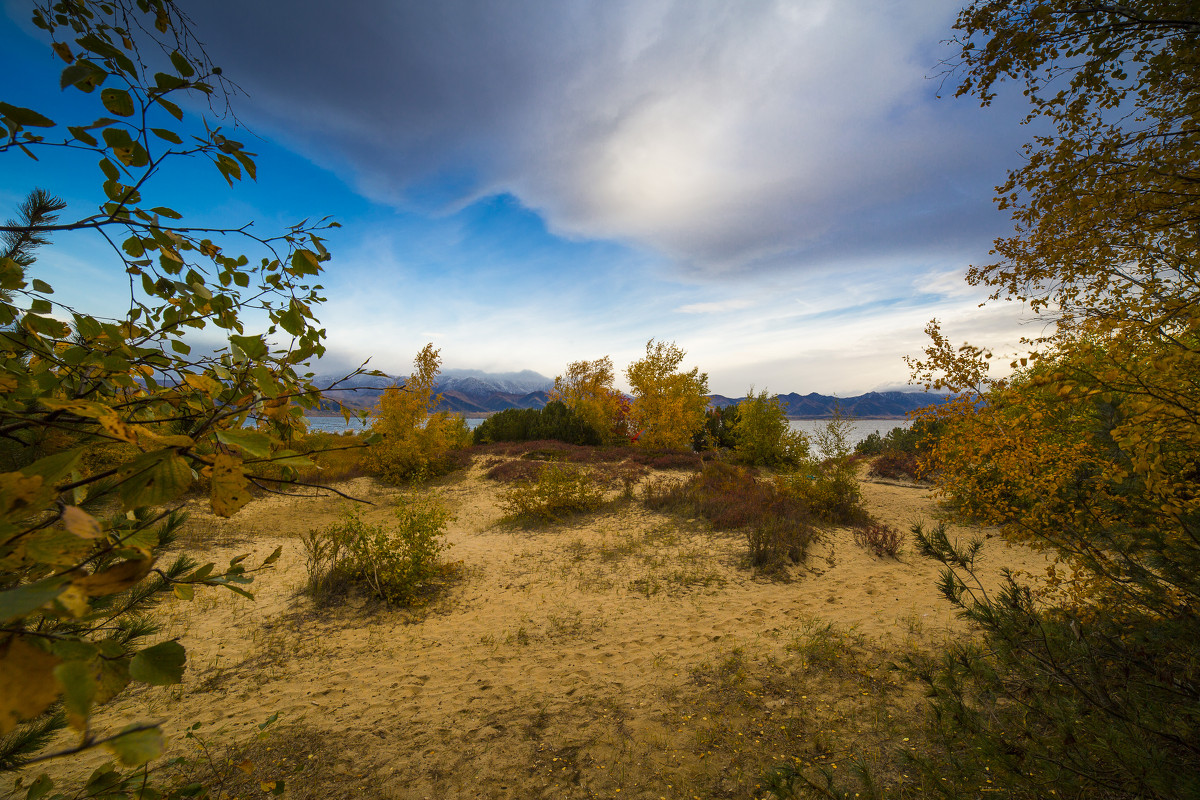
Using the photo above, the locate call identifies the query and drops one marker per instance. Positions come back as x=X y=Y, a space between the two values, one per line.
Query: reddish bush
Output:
x=882 y=540
x=896 y=465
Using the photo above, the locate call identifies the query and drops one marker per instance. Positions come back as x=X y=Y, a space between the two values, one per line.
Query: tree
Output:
x=764 y=437
x=417 y=441
x=106 y=423
x=587 y=389
x=668 y=405
x=1087 y=683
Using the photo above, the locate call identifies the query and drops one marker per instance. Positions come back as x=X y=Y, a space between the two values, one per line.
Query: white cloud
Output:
x=714 y=308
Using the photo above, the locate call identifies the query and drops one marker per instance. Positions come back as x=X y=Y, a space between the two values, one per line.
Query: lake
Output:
x=859 y=428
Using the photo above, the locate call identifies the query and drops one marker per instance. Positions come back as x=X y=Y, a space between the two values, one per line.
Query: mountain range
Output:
x=477 y=393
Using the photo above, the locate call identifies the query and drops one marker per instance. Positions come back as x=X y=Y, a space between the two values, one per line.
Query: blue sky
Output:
x=775 y=186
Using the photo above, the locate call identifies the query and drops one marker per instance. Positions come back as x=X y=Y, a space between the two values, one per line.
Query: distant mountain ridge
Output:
x=877 y=405
x=473 y=392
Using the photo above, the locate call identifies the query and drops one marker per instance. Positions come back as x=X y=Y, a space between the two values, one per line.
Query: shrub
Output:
x=554 y=421
x=396 y=564
x=882 y=540
x=558 y=489
x=777 y=528
x=829 y=489
x=416 y=442
x=896 y=465
x=763 y=436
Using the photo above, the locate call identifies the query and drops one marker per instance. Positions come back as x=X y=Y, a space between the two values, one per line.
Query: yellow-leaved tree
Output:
x=417 y=441
x=587 y=389
x=1089 y=683
x=668 y=405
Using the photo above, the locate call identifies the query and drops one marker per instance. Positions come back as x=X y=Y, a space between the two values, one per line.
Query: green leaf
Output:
x=25 y=117
x=110 y=170
x=160 y=665
x=182 y=65
x=29 y=597
x=78 y=684
x=167 y=212
x=304 y=262
x=117 y=138
x=251 y=347
x=137 y=746
x=153 y=479
x=171 y=108
x=135 y=249
x=117 y=101
x=83 y=75
x=40 y=306
x=82 y=135
x=39 y=788
x=253 y=443
x=167 y=135
x=41 y=286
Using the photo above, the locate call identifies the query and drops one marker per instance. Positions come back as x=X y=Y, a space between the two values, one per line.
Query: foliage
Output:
x=557 y=490
x=718 y=432
x=880 y=539
x=395 y=563
x=763 y=436
x=106 y=423
x=416 y=441
x=554 y=421
x=668 y=405
x=896 y=465
x=828 y=488
x=778 y=529
x=916 y=438
x=1086 y=683
x=587 y=389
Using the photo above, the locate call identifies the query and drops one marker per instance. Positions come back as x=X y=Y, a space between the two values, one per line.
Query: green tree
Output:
x=106 y=423
x=668 y=405
x=764 y=437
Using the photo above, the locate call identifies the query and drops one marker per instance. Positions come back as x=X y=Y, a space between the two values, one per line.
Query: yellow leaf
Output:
x=81 y=523
x=114 y=579
x=246 y=766
x=117 y=427
x=18 y=491
x=230 y=489
x=27 y=683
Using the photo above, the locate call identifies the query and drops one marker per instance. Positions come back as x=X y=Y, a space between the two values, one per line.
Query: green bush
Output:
x=763 y=436
x=554 y=421
x=396 y=564
x=719 y=428
x=558 y=489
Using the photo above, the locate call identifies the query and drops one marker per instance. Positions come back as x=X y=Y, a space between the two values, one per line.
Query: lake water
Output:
x=859 y=428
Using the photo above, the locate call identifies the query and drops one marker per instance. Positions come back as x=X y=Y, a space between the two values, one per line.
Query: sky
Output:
x=776 y=186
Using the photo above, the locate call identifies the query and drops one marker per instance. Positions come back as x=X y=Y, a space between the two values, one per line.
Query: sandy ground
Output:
x=571 y=660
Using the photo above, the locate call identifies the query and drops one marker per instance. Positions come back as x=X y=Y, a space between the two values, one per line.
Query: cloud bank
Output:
x=726 y=137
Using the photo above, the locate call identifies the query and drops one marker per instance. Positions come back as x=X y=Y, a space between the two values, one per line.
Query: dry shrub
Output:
x=896 y=465
x=515 y=470
x=882 y=540
x=778 y=528
x=667 y=459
